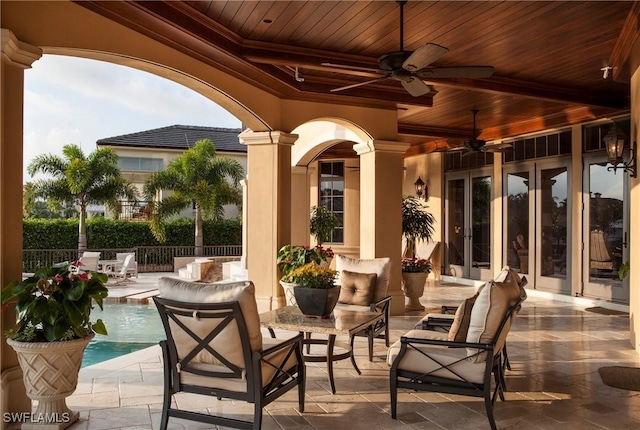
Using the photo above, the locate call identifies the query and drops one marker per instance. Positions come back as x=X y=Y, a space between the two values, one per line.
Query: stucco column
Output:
x=300 y=204
x=634 y=209
x=381 y=174
x=16 y=56
x=268 y=212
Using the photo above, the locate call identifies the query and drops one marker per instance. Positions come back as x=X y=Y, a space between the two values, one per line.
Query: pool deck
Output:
x=555 y=347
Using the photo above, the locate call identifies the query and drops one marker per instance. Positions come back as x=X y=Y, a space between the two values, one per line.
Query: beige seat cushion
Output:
x=268 y=366
x=379 y=266
x=414 y=361
x=227 y=343
x=357 y=288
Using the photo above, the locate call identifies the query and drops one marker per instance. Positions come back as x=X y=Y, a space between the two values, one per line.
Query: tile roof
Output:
x=177 y=136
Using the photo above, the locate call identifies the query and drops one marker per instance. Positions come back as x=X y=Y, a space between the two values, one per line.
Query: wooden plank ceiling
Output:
x=548 y=56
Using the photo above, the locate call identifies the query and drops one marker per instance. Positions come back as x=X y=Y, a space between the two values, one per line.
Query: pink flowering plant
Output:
x=55 y=303
x=416 y=265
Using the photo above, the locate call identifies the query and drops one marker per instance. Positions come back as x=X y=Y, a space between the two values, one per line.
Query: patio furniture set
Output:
x=123 y=267
x=215 y=346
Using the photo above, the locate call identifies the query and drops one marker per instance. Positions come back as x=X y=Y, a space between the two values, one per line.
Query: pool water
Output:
x=131 y=327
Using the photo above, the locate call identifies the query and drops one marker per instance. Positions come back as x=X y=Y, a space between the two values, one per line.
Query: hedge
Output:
x=105 y=233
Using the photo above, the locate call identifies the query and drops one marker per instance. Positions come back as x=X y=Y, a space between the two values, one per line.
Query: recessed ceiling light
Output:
x=267 y=21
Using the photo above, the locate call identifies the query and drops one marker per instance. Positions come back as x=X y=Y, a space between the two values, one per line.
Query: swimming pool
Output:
x=130 y=326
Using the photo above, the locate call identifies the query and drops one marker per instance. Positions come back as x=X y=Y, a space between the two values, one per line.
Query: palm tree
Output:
x=81 y=180
x=200 y=177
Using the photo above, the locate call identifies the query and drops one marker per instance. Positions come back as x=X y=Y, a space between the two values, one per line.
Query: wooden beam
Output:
x=626 y=39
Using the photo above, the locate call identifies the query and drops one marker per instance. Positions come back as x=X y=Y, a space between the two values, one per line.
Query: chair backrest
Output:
x=122 y=255
x=379 y=266
x=126 y=265
x=427 y=249
x=206 y=339
x=89 y=263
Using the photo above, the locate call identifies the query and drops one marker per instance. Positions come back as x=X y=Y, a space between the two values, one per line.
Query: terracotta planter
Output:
x=413 y=287
x=50 y=374
x=315 y=302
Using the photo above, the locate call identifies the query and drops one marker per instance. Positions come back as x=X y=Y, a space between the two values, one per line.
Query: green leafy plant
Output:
x=322 y=223
x=623 y=270
x=55 y=304
x=417 y=223
x=312 y=276
x=291 y=257
x=416 y=265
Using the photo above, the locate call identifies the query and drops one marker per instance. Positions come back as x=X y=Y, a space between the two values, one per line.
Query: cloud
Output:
x=74 y=100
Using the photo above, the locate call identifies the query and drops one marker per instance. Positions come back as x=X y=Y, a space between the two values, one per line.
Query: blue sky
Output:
x=74 y=100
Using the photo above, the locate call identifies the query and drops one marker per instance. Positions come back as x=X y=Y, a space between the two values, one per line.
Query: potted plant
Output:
x=417 y=224
x=53 y=328
x=414 y=274
x=315 y=291
x=291 y=257
x=322 y=223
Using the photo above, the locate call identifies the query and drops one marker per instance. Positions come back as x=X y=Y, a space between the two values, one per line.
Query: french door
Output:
x=605 y=234
x=468 y=230
x=536 y=215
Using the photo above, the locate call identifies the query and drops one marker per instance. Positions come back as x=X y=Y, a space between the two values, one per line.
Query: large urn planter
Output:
x=289 y=297
x=413 y=287
x=50 y=374
x=317 y=302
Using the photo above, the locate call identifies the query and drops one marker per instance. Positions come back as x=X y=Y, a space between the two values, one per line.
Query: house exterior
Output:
x=317 y=132
x=145 y=152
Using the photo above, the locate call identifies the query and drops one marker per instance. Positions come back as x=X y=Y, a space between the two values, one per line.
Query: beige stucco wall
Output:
x=634 y=227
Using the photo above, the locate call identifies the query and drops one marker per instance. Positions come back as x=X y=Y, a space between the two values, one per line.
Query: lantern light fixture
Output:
x=422 y=190
x=614 y=142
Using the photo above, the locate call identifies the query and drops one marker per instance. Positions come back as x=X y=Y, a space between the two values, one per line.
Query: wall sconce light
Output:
x=614 y=142
x=422 y=191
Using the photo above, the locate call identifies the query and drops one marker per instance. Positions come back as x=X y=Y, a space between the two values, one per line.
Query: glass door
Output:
x=468 y=232
x=552 y=237
x=517 y=227
x=605 y=234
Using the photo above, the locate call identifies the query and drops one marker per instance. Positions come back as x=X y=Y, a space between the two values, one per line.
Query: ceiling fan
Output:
x=478 y=145
x=410 y=67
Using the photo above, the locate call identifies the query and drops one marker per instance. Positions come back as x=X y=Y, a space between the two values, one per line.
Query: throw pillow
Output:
x=357 y=288
x=460 y=325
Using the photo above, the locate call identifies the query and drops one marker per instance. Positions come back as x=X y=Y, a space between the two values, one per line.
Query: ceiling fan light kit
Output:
x=410 y=67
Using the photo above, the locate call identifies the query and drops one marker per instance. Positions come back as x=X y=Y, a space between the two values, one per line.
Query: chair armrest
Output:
x=381 y=304
x=436 y=322
x=449 y=309
x=282 y=345
x=413 y=340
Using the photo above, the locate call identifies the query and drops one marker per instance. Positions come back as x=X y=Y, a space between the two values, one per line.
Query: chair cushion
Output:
x=268 y=367
x=227 y=343
x=379 y=266
x=415 y=361
x=357 y=288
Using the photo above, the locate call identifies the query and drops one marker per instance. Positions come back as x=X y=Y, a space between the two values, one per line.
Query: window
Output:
x=140 y=164
x=592 y=134
x=331 y=194
x=558 y=143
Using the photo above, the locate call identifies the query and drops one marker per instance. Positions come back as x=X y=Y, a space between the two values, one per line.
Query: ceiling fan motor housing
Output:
x=393 y=60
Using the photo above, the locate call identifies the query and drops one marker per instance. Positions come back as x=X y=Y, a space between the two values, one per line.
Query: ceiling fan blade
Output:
x=423 y=56
x=456 y=72
x=348 y=67
x=333 y=90
x=497 y=147
x=416 y=87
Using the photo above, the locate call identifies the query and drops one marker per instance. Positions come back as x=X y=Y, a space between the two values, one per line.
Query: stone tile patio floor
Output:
x=555 y=348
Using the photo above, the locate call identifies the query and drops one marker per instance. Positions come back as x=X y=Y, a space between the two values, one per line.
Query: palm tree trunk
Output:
x=199 y=252
x=82 y=231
